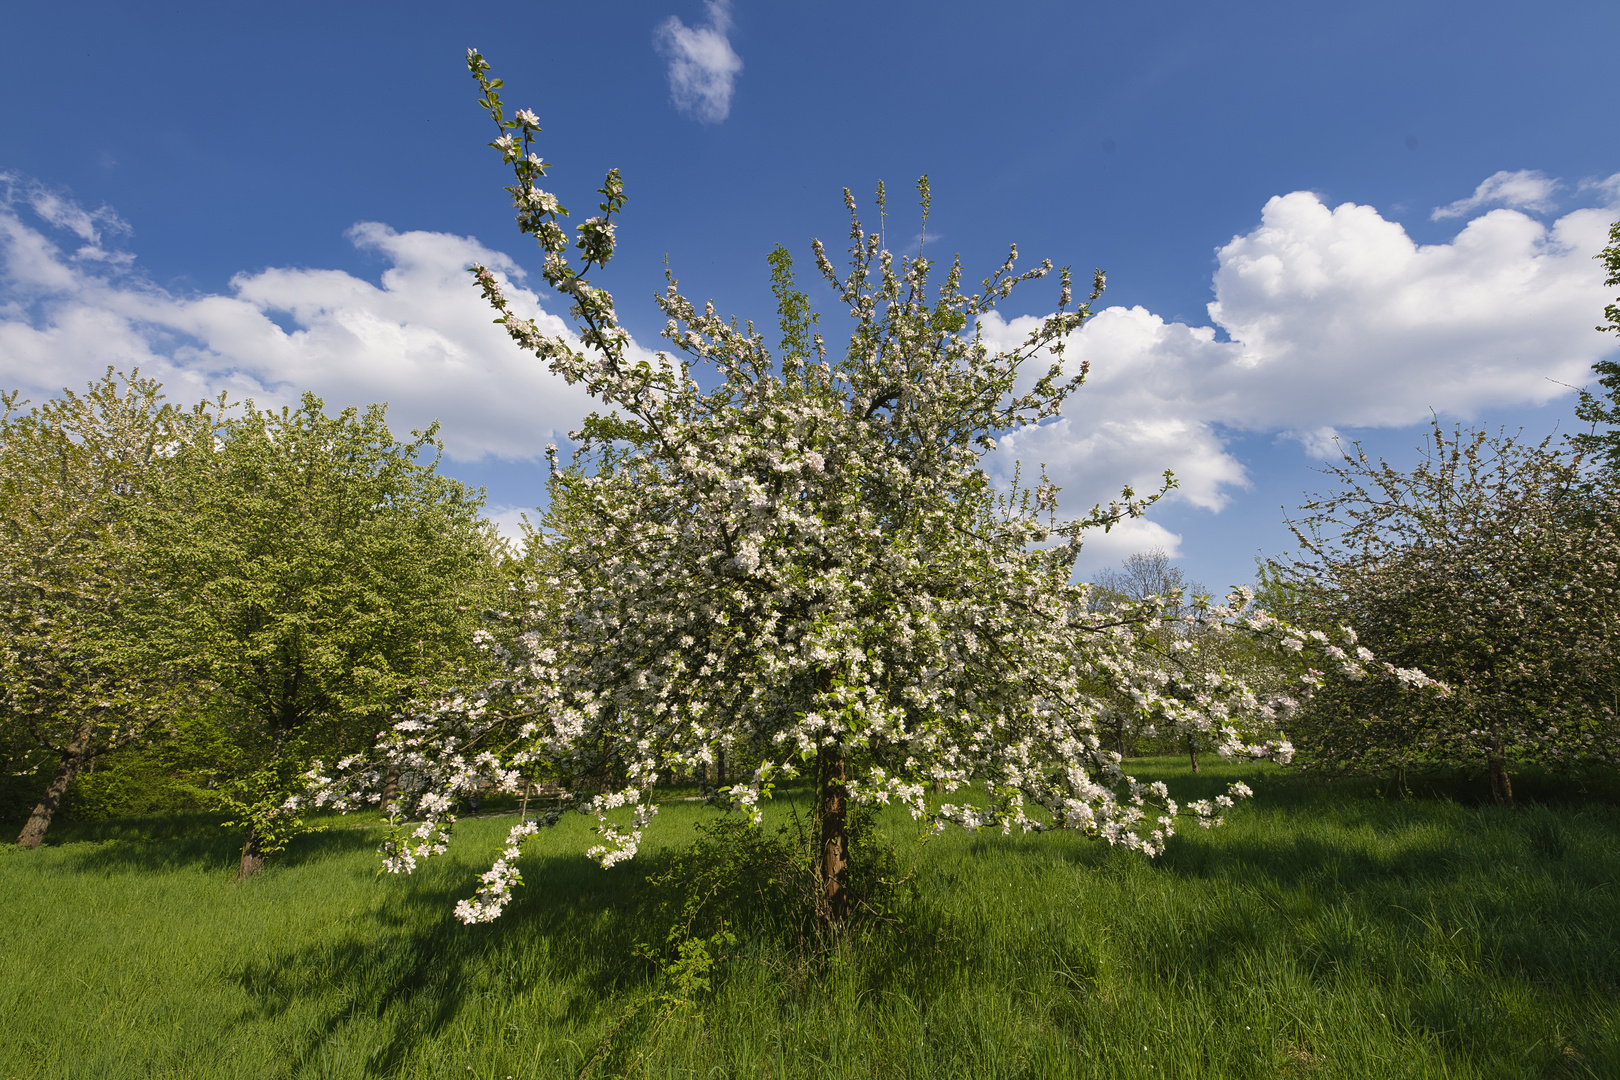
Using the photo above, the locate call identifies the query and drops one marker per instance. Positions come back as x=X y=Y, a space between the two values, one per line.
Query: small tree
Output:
x=806 y=565
x=1491 y=565
x=89 y=656
x=327 y=574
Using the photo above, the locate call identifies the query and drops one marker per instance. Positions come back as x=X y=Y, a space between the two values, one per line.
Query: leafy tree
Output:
x=1605 y=444
x=90 y=660
x=327 y=574
x=1491 y=566
x=807 y=566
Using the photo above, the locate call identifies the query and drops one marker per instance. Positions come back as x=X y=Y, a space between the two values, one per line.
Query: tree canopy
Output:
x=326 y=574
x=90 y=656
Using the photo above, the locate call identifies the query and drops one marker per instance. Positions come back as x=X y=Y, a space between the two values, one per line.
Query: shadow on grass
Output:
x=190 y=841
x=414 y=966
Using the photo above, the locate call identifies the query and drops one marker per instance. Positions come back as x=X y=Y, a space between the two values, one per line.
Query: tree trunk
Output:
x=252 y=857
x=1192 y=751
x=834 y=800
x=33 y=833
x=1501 y=783
x=390 y=790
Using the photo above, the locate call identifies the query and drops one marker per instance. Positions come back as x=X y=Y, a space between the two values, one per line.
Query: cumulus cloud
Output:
x=1324 y=319
x=702 y=65
x=421 y=339
x=1525 y=189
x=1104 y=549
x=509 y=520
x=1332 y=317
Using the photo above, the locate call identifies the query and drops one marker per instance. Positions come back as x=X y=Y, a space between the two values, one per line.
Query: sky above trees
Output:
x=1317 y=220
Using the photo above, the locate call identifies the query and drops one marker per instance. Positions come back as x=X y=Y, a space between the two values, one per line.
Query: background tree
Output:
x=1187 y=651
x=328 y=574
x=1492 y=566
x=1145 y=577
x=90 y=657
x=1592 y=410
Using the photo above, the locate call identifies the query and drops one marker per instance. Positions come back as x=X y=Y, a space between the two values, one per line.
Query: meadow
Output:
x=1328 y=930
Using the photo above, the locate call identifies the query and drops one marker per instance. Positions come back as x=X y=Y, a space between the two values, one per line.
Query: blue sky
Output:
x=1394 y=204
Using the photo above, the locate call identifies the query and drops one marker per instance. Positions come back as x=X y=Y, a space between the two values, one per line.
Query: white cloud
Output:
x=1525 y=189
x=1323 y=442
x=508 y=521
x=1334 y=318
x=421 y=339
x=702 y=65
x=1106 y=549
x=1607 y=186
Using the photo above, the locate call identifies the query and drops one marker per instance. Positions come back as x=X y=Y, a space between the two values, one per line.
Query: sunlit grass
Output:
x=1324 y=932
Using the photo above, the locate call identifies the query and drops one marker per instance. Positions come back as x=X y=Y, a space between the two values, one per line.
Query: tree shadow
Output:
x=410 y=967
x=190 y=841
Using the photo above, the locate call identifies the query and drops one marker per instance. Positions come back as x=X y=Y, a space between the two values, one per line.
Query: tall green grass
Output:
x=1326 y=931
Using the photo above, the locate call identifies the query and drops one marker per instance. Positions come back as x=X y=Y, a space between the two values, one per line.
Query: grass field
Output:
x=1326 y=931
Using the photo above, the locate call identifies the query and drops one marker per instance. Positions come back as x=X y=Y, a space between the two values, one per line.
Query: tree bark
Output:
x=1192 y=751
x=390 y=790
x=252 y=858
x=833 y=797
x=73 y=758
x=1501 y=782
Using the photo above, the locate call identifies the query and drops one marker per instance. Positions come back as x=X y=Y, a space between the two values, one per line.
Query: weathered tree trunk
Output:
x=833 y=798
x=1192 y=751
x=390 y=790
x=73 y=758
x=1501 y=783
x=252 y=858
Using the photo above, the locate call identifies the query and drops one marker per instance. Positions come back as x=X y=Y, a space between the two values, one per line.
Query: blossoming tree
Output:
x=1492 y=565
x=803 y=564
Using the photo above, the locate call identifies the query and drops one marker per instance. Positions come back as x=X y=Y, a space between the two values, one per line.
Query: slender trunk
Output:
x=73 y=758
x=834 y=800
x=720 y=766
x=1192 y=751
x=252 y=857
x=1119 y=736
x=1501 y=783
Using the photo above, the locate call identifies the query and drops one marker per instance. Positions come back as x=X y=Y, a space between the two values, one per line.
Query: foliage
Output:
x=806 y=566
x=90 y=656
x=1605 y=444
x=1492 y=566
x=327 y=575
x=1323 y=932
